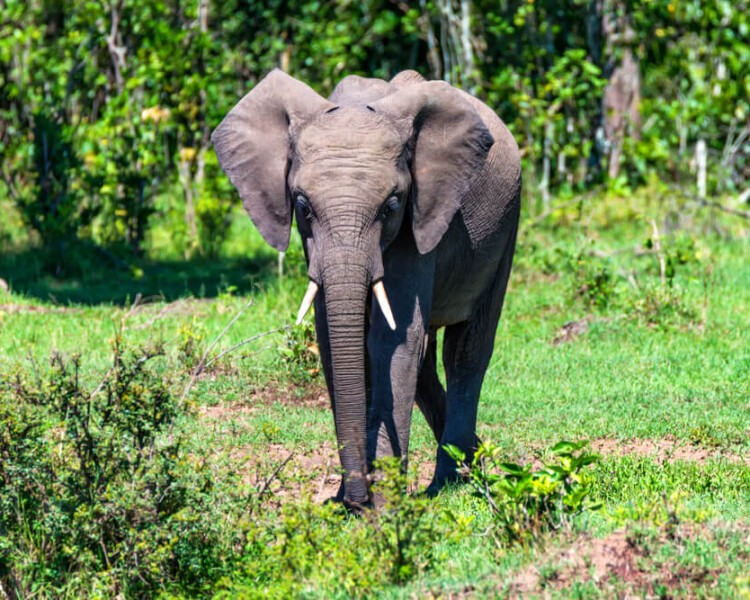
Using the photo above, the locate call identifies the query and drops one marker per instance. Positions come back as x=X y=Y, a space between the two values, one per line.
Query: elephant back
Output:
x=354 y=90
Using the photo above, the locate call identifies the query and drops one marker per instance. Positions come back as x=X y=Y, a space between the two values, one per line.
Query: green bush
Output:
x=299 y=355
x=593 y=280
x=54 y=205
x=98 y=495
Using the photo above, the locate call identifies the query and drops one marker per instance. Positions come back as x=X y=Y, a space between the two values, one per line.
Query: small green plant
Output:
x=673 y=252
x=404 y=531
x=662 y=301
x=190 y=344
x=270 y=431
x=299 y=354
x=525 y=503
x=659 y=305
x=593 y=280
x=664 y=512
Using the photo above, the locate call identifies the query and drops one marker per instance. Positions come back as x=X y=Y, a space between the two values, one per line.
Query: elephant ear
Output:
x=252 y=144
x=450 y=145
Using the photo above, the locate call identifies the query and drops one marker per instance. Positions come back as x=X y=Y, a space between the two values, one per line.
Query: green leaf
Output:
x=512 y=468
x=455 y=453
x=567 y=447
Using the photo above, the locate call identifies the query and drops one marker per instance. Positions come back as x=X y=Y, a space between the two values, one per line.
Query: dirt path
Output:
x=663 y=450
x=317 y=471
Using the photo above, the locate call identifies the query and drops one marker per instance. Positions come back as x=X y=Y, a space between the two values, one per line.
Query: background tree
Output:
x=106 y=106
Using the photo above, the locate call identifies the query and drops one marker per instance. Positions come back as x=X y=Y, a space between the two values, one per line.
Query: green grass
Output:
x=678 y=373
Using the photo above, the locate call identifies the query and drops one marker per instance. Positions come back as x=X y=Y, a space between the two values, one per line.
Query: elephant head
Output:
x=353 y=169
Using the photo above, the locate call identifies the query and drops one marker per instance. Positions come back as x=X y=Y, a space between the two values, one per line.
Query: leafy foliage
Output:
x=403 y=530
x=299 y=354
x=526 y=503
x=323 y=550
x=97 y=495
x=593 y=279
x=106 y=108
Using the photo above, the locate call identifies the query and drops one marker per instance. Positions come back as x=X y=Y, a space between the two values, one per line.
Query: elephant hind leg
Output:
x=431 y=397
x=467 y=351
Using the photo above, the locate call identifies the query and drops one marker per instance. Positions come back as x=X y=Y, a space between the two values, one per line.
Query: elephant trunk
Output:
x=346 y=282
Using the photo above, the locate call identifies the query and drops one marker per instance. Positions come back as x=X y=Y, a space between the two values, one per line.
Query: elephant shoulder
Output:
x=356 y=90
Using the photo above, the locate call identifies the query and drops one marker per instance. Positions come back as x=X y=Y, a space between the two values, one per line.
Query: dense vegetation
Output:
x=147 y=449
x=106 y=107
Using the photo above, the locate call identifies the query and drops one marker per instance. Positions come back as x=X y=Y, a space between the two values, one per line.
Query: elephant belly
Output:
x=462 y=276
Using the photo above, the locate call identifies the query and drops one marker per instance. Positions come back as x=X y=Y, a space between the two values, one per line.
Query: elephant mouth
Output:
x=378 y=290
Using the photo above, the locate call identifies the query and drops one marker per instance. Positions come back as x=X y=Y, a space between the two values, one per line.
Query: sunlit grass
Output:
x=681 y=375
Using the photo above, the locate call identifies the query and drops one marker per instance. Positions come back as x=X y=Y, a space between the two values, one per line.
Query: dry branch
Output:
x=702 y=202
x=745 y=214
x=201 y=365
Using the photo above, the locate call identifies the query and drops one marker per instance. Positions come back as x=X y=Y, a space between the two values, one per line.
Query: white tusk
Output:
x=379 y=290
x=307 y=301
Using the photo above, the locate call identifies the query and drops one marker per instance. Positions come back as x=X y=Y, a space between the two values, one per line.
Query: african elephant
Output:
x=407 y=196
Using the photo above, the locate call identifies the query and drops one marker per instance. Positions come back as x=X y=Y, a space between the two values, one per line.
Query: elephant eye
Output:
x=303 y=204
x=391 y=206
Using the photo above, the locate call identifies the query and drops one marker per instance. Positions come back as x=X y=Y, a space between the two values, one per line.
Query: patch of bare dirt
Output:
x=662 y=450
x=220 y=412
x=292 y=473
x=315 y=472
x=618 y=562
x=313 y=396
x=322 y=468
x=310 y=396
x=585 y=560
x=288 y=470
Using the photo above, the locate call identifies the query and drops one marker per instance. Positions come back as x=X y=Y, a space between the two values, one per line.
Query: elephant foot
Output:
x=432 y=490
x=352 y=506
x=443 y=479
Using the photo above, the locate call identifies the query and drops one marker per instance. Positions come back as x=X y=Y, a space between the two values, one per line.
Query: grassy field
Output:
x=627 y=323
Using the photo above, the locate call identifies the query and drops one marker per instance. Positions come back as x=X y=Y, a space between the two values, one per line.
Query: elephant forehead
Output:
x=349 y=132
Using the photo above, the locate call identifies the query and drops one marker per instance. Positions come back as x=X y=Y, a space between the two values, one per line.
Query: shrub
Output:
x=97 y=495
x=403 y=533
x=299 y=355
x=593 y=279
x=525 y=503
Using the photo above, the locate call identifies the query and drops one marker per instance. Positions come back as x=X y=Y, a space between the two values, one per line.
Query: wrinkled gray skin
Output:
x=410 y=182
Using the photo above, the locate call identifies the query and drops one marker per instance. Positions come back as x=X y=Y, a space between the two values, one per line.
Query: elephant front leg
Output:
x=396 y=356
x=395 y=367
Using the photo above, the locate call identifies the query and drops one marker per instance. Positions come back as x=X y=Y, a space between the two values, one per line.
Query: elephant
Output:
x=406 y=194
